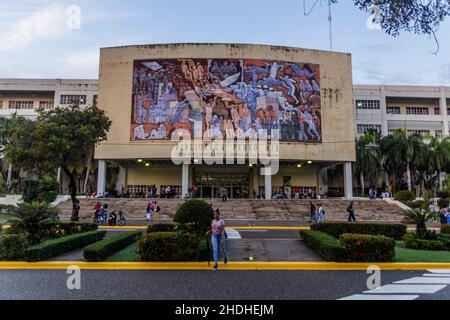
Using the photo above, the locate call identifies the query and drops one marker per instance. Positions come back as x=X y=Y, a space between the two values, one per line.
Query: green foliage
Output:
x=404 y=195
x=58 y=229
x=162 y=227
x=44 y=190
x=420 y=217
x=414 y=241
x=443 y=203
x=12 y=247
x=30 y=218
x=335 y=229
x=167 y=246
x=99 y=251
x=443 y=194
x=368 y=248
x=326 y=245
x=417 y=204
x=50 y=248
x=204 y=252
x=197 y=212
x=445 y=228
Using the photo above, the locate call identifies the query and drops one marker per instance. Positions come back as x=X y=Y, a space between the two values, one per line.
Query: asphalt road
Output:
x=193 y=285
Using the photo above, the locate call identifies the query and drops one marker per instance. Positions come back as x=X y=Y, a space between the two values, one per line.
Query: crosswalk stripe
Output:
x=425 y=280
x=380 y=297
x=233 y=234
x=436 y=275
x=404 y=288
x=439 y=271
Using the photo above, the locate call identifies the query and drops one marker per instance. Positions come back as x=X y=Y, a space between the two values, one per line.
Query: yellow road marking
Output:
x=230 y=266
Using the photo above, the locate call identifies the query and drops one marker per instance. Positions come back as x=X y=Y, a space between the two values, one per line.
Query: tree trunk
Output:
x=361 y=181
x=408 y=176
x=439 y=179
x=9 y=177
x=73 y=194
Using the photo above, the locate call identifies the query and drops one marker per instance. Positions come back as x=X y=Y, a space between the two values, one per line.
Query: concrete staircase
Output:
x=247 y=209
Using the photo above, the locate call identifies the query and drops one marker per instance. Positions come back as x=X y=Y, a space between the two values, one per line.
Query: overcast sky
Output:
x=35 y=41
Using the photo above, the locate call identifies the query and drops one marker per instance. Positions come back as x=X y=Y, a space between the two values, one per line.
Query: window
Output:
x=20 y=105
x=95 y=100
x=420 y=132
x=393 y=110
x=448 y=111
x=362 y=128
x=46 y=104
x=438 y=134
x=73 y=99
x=417 y=110
x=437 y=111
x=391 y=131
x=367 y=104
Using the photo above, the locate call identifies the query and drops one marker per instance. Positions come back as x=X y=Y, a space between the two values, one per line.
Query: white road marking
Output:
x=380 y=297
x=233 y=234
x=436 y=275
x=426 y=280
x=404 y=288
x=253 y=230
x=439 y=271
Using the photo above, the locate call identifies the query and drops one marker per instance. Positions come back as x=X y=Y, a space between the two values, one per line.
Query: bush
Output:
x=162 y=227
x=100 y=250
x=445 y=229
x=443 y=194
x=204 y=252
x=335 y=229
x=443 y=203
x=197 y=212
x=368 y=248
x=326 y=245
x=44 y=190
x=404 y=195
x=12 y=247
x=445 y=238
x=51 y=248
x=413 y=241
x=167 y=246
x=417 y=204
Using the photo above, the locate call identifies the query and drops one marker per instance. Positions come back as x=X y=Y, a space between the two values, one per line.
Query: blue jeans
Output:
x=216 y=239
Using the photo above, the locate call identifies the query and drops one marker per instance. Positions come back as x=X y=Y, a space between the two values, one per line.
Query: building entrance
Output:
x=212 y=184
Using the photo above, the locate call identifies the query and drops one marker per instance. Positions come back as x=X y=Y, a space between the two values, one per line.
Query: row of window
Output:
x=65 y=100
x=363 y=128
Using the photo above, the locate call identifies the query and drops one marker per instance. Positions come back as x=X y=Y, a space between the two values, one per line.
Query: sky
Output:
x=43 y=38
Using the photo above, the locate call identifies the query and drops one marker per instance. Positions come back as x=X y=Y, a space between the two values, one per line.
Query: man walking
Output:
x=351 y=212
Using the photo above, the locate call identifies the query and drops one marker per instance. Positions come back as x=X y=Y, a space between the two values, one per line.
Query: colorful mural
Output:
x=230 y=97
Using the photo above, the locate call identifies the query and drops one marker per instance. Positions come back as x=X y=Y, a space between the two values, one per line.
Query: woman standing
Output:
x=148 y=212
x=218 y=238
x=155 y=208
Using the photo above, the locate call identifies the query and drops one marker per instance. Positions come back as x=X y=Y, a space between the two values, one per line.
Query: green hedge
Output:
x=368 y=248
x=57 y=229
x=51 y=248
x=162 y=227
x=326 y=245
x=204 y=252
x=167 y=246
x=100 y=250
x=13 y=246
x=335 y=229
x=412 y=241
x=404 y=195
x=445 y=229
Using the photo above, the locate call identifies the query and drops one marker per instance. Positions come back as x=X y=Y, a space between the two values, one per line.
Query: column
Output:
x=101 y=177
x=185 y=180
x=443 y=106
x=255 y=176
x=121 y=180
x=383 y=109
x=322 y=179
x=58 y=175
x=348 y=183
x=9 y=177
x=268 y=185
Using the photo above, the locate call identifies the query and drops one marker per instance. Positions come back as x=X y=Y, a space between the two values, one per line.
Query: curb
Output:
x=317 y=266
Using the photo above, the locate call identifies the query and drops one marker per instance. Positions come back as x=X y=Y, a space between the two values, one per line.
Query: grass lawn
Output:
x=128 y=254
x=403 y=254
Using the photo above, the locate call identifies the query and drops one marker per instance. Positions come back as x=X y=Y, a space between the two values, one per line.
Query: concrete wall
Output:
x=115 y=92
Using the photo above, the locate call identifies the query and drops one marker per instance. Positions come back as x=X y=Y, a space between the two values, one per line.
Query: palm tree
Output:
x=368 y=156
x=420 y=218
x=437 y=156
x=401 y=149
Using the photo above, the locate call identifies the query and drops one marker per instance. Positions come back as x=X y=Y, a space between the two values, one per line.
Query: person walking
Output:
x=320 y=213
x=148 y=212
x=224 y=194
x=312 y=212
x=443 y=216
x=218 y=239
x=155 y=209
x=351 y=212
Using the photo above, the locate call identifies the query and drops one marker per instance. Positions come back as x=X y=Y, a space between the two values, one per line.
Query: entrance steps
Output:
x=246 y=209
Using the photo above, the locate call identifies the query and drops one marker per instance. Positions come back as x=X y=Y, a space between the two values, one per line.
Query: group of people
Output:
x=152 y=211
x=317 y=213
x=101 y=215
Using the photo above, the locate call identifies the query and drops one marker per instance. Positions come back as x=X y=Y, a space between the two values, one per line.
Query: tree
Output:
x=368 y=156
x=437 y=156
x=420 y=217
x=59 y=138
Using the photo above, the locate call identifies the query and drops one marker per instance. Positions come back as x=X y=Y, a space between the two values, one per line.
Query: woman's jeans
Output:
x=216 y=239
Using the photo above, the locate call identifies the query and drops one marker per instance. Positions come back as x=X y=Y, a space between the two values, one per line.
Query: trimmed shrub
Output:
x=368 y=248
x=204 y=252
x=445 y=238
x=443 y=203
x=167 y=246
x=162 y=227
x=404 y=195
x=326 y=245
x=51 y=248
x=13 y=246
x=57 y=229
x=443 y=194
x=335 y=229
x=44 y=190
x=197 y=212
x=413 y=241
x=445 y=229
x=100 y=250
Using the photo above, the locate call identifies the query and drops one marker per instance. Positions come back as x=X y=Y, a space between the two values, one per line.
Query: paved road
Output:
x=192 y=285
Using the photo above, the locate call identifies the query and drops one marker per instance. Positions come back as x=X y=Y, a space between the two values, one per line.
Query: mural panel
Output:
x=230 y=97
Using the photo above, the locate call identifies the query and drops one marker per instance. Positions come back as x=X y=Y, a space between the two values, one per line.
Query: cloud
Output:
x=43 y=23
